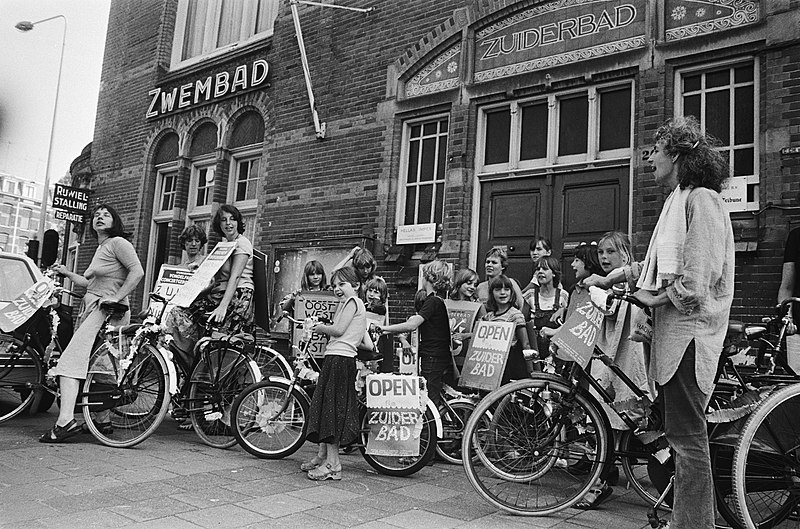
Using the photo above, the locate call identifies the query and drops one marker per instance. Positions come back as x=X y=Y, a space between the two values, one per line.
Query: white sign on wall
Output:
x=734 y=193
x=416 y=233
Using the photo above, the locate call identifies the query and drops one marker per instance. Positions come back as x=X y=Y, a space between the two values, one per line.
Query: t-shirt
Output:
x=513 y=314
x=109 y=268
x=347 y=343
x=243 y=246
x=434 y=333
x=547 y=302
x=792 y=255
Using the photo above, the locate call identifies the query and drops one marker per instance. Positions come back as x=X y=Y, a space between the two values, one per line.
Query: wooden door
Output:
x=513 y=212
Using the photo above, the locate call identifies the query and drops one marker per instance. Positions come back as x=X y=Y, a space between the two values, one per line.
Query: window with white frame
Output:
x=164 y=203
x=577 y=126
x=204 y=28
x=422 y=171
x=243 y=187
x=724 y=98
x=201 y=191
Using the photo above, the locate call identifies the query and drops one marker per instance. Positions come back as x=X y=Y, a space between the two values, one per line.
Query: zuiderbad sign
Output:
x=207 y=88
x=558 y=33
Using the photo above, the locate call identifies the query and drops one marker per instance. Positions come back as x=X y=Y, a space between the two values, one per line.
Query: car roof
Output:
x=37 y=274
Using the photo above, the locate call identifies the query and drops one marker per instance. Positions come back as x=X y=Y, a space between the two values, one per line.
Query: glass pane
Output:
x=691 y=83
x=533 y=143
x=441 y=158
x=743 y=115
x=719 y=78
x=498 y=133
x=411 y=205
x=267 y=12
x=413 y=161
x=691 y=106
x=230 y=22
x=244 y=171
x=615 y=119
x=743 y=162
x=718 y=115
x=195 y=28
x=425 y=203
x=743 y=74
x=437 y=213
x=428 y=160
x=429 y=128
x=241 y=191
x=573 y=125
x=415 y=131
x=443 y=126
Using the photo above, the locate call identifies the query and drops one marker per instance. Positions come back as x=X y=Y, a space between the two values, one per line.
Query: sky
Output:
x=28 y=77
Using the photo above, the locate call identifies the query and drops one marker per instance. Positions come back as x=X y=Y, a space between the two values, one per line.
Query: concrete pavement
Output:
x=173 y=480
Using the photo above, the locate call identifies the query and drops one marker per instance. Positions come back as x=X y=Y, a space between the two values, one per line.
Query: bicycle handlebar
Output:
x=320 y=319
x=783 y=306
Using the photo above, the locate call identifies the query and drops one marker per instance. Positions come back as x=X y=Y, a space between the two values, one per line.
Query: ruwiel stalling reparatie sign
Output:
x=556 y=34
x=70 y=203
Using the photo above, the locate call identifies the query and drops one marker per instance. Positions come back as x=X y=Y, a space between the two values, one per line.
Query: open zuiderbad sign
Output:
x=395 y=411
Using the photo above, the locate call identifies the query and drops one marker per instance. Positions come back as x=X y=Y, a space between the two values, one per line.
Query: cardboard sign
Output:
x=576 y=338
x=20 y=309
x=169 y=282
x=395 y=410
x=462 y=315
x=314 y=304
x=487 y=355
x=204 y=274
x=409 y=359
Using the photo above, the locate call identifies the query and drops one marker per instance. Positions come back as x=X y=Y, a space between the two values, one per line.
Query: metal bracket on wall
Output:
x=319 y=127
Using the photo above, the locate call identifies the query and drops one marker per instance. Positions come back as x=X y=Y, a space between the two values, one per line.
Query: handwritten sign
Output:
x=576 y=338
x=487 y=355
x=321 y=304
x=21 y=308
x=204 y=274
x=462 y=315
x=395 y=409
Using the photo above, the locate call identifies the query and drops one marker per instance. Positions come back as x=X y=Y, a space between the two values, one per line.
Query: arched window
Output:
x=165 y=160
x=202 y=151
x=247 y=140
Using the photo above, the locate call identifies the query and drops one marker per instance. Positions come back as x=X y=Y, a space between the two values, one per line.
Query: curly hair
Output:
x=501 y=254
x=437 y=273
x=193 y=232
x=699 y=163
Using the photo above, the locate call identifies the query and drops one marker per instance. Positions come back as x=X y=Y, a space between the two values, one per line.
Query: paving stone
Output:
x=417 y=519
x=323 y=495
x=31 y=474
x=258 y=488
x=85 y=484
x=170 y=522
x=302 y=520
x=465 y=507
x=347 y=514
x=391 y=502
x=140 y=492
x=75 y=503
x=210 y=496
x=99 y=519
x=505 y=521
x=152 y=509
x=278 y=505
x=427 y=492
x=19 y=511
x=198 y=481
x=227 y=516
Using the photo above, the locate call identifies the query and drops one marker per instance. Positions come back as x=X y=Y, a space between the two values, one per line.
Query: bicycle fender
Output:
x=288 y=382
x=437 y=418
x=166 y=354
x=257 y=370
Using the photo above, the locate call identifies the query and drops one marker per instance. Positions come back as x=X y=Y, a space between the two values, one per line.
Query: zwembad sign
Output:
x=558 y=33
x=169 y=99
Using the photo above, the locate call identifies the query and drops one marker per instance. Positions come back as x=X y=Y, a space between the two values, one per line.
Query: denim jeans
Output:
x=685 y=426
x=434 y=369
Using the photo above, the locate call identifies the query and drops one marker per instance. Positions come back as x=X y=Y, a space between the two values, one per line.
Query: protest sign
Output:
x=321 y=304
x=576 y=338
x=487 y=355
x=204 y=274
x=169 y=282
x=462 y=314
x=395 y=411
x=21 y=308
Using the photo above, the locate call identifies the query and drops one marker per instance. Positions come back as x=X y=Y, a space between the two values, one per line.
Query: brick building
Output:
x=493 y=120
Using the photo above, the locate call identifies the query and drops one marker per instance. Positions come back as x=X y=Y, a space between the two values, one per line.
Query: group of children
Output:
x=537 y=311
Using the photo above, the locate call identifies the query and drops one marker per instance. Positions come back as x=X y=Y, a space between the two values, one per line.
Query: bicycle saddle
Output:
x=114 y=307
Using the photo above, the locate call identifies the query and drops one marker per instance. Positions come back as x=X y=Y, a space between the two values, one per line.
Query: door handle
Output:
x=510 y=249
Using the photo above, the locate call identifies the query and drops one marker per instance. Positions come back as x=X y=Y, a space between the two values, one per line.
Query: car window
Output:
x=15 y=278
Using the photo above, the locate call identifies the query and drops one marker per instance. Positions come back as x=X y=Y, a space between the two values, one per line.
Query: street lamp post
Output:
x=27 y=26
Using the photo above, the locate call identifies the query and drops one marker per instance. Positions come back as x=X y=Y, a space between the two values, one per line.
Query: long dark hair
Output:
x=496 y=283
x=587 y=252
x=117 y=228
x=216 y=222
x=699 y=163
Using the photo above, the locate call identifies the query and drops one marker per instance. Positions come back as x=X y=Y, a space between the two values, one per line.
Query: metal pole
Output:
x=319 y=127
x=320 y=4
x=27 y=26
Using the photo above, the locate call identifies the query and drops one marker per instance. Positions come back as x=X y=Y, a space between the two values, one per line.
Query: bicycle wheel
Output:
x=271 y=363
x=545 y=447
x=264 y=426
x=453 y=423
x=220 y=375
x=123 y=412
x=766 y=463
x=21 y=376
x=402 y=465
x=646 y=475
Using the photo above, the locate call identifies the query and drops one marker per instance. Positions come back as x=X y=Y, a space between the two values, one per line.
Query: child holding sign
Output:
x=434 y=328
x=333 y=415
x=314 y=279
x=502 y=307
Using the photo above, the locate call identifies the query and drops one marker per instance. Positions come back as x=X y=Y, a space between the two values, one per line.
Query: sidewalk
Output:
x=172 y=480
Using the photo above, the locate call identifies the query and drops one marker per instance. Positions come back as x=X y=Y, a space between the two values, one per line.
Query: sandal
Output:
x=59 y=434
x=186 y=425
x=326 y=472
x=311 y=464
x=594 y=497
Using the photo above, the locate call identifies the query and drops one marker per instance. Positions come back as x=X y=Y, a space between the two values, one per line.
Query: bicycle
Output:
x=271 y=416
x=134 y=376
x=766 y=460
x=549 y=441
x=457 y=407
